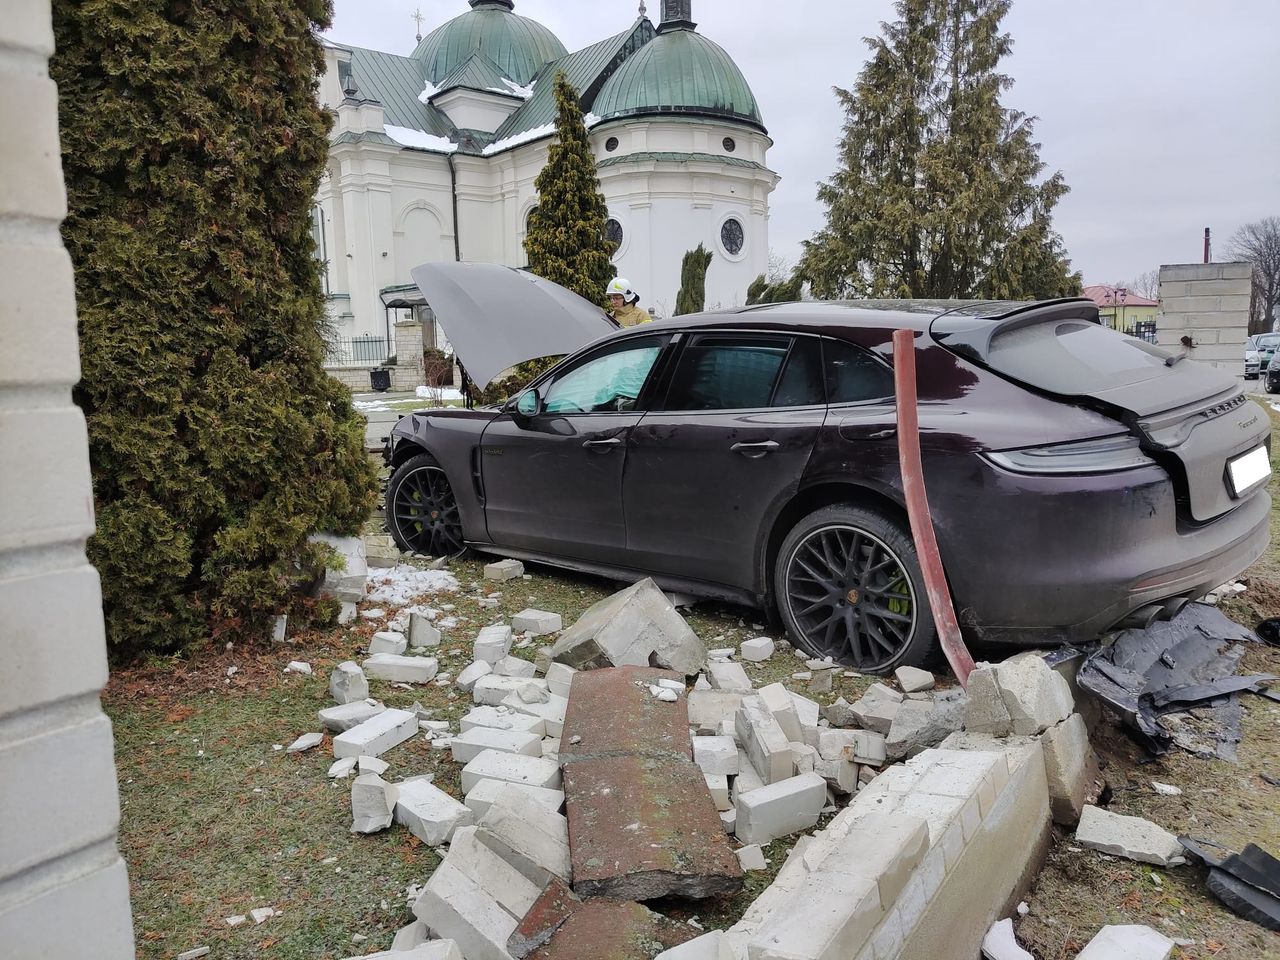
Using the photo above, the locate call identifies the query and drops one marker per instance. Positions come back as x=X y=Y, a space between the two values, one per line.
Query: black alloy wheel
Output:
x=422 y=512
x=849 y=587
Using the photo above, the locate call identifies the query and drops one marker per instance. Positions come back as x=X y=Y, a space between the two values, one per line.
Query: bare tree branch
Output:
x=1259 y=243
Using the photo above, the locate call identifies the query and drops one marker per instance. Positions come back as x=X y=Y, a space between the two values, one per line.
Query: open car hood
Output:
x=498 y=316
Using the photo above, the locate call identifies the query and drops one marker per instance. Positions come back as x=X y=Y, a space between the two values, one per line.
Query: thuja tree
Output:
x=940 y=191
x=692 y=297
x=193 y=145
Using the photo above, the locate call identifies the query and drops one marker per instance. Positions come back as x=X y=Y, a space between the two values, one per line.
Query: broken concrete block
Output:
x=347 y=583
x=1034 y=694
x=1000 y=943
x=373 y=803
x=1127 y=942
x=341 y=769
x=534 y=692
x=984 y=711
x=803 y=757
x=551 y=713
x=559 y=676
x=1066 y=756
x=809 y=713
x=528 y=836
x=781 y=808
x=751 y=857
x=777 y=700
x=482 y=795
x=500 y=718
x=472 y=673
x=194 y=954
x=709 y=708
x=503 y=570
x=637 y=626
x=919 y=725
x=841 y=775
x=878 y=691
x=401 y=669
x=514 y=892
x=493 y=643
x=388 y=642
x=747 y=778
x=511 y=768
x=875 y=712
x=729 y=820
x=422 y=632
x=757 y=650
x=727 y=675
x=493 y=689
x=860 y=746
x=298 y=666
x=376 y=735
x=372 y=765
x=412 y=935
x=430 y=814
x=710 y=946
x=347 y=683
x=913 y=679
x=305 y=742
x=764 y=741
x=1131 y=837
x=839 y=713
x=459 y=909
x=718 y=786
x=536 y=623
x=716 y=754
x=470 y=744
x=514 y=667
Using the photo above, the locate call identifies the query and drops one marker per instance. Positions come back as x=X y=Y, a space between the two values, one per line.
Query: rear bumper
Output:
x=1070 y=563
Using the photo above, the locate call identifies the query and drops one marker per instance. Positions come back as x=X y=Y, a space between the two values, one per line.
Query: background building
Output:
x=434 y=156
x=1122 y=309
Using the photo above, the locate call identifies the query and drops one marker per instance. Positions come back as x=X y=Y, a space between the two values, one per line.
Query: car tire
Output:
x=422 y=512
x=830 y=608
x=1268 y=386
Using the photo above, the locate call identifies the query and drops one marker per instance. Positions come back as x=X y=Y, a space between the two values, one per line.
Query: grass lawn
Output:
x=216 y=821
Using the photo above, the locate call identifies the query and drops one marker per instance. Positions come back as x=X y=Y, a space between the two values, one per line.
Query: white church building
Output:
x=433 y=157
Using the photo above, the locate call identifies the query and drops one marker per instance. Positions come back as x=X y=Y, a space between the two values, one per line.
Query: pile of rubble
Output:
x=598 y=776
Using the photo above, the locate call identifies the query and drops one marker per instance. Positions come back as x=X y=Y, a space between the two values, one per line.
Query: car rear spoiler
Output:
x=971 y=336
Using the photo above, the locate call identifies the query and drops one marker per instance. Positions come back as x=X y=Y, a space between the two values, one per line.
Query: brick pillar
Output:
x=63 y=888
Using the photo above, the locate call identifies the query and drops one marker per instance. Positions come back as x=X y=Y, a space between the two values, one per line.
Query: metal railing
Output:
x=366 y=351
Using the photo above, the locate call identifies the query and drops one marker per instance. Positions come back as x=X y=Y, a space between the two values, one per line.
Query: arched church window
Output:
x=528 y=220
x=730 y=145
x=613 y=235
x=611 y=144
x=732 y=236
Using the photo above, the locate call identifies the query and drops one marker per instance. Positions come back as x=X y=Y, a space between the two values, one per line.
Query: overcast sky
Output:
x=1164 y=115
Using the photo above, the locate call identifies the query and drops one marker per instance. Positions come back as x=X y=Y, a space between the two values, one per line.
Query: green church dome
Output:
x=518 y=45
x=679 y=72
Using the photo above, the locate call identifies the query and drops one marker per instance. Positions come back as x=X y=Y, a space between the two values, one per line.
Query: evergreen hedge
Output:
x=193 y=145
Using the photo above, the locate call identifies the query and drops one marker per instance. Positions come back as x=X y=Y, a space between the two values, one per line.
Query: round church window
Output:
x=613 y=234
x=732 y=237
x=730 y=145
x=611 y=144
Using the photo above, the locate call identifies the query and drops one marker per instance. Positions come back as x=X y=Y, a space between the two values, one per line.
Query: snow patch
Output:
x=398 y=586
x=528 y=136
x=590 y=120
x=438 y=393
x=1275 y=406
x=429 y=90
x=421 y=140
x=524 y=93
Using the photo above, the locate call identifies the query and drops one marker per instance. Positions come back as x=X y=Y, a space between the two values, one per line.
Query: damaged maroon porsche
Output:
x=1079 y=479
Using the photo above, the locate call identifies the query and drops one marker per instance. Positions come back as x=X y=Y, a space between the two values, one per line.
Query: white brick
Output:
x=716 y=754
x=459 y=909
x=388 y=641
x=727 y=675
x=718 y=787
x=559 y=677
x=781 y=808
x=707 y=708
x=504 y=570
x=511 y=768
x=804 y=757
x=376 y=735
x=499 y=719
x=756 y=650
x=834 y=918
x=763 y=739
x=842 y=775
x=89 y=909
x=514 y=667
x=493 y=643
x=389 y=666
x=30 y=154
x=536 y=623
x=44 y=468
x=550 y=713
x=422 y=632
x=528 y=836
x=481 y=796
x=347 y=715
x=777 y=700
x=514 y=892
x=808 y=712
x=710 y=946
x=430 y=814
x=467 y=746
x=493 y=689
x=38 y=287
x=472 y=674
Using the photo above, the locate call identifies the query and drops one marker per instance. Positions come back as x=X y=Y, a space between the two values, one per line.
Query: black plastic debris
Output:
x=1175 y=682
x=1248 y=883
x=1268 y=631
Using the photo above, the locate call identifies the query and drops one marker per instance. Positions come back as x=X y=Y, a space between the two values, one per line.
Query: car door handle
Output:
x=755 y=450
x=602 y=445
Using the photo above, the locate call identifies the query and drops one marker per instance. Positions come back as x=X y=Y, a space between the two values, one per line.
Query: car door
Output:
x=730 y=440
x=552 y=481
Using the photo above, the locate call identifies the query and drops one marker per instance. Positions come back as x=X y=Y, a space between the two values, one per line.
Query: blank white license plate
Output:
x=1248 y=470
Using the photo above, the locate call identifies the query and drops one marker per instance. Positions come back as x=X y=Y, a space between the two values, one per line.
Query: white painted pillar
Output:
x=63 y=888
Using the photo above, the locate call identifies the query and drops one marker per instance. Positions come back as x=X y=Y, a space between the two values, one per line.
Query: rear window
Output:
x=1075 y=356
x=854 y=376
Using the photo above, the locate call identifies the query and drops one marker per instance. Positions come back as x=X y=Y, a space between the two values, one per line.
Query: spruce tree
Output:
x=940 y=190
x=193 y=145
x=692 y=297
x=566 y=241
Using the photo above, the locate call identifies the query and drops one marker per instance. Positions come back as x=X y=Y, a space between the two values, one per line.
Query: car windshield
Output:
x=1267 y=343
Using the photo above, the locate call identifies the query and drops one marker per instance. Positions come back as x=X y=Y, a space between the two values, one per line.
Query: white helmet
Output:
x=620 y=286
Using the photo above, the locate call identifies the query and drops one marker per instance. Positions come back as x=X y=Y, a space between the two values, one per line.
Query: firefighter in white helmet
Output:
x=624 y=303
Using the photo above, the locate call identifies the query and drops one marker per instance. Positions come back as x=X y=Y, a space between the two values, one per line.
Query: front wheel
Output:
x=848 y=586
x=1268 y=386
x=422 y=513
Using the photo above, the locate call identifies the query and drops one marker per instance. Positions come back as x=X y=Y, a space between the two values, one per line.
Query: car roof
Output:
x=829 y=314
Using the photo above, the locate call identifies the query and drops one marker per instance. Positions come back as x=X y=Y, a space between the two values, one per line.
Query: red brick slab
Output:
x=612 y=713
x=645 y=827
x=545 y=917
x=613 y=930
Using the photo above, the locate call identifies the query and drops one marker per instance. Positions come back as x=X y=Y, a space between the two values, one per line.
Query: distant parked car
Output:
x=1271 y=379
x=1078 y=478
x=1266 y=344
x=1252 y=359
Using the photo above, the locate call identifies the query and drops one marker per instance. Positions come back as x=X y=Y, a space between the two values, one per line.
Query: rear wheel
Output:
x=422 y=512
x=849 y=587
x=1269 y=385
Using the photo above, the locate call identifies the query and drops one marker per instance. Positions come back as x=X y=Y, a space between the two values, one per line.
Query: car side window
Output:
x=853 y=375
x=609 y=382
x=727 y=372
x=801 y=383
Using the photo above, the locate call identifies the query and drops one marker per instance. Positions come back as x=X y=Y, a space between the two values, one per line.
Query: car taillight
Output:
x=1103 y=455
